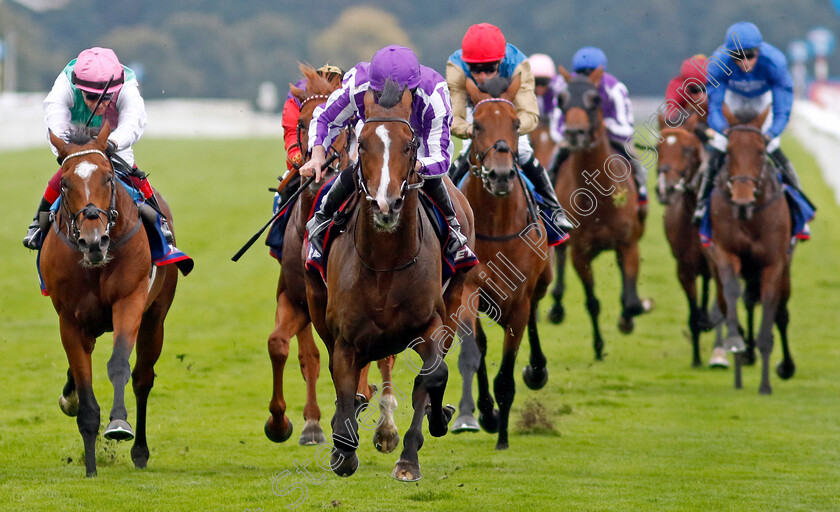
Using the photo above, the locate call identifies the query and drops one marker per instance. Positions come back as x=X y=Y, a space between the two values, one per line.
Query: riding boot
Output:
x=340 y=190
x=164 y=224
x=557 y=162
x=436 y=189
x=459 y=168
x=31 y=239
x=789 y=175
x=554 y=212
x=715 y=162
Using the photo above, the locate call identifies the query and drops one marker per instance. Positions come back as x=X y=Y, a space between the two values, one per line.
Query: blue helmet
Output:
x=589 y=57
x=396 y=62
x=746 y=34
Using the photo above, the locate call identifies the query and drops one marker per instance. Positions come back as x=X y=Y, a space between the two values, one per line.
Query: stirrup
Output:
x=167 y=232
x=699 y=213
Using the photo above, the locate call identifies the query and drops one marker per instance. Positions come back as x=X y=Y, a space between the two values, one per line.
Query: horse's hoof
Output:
x=344 y=463
x=626 y=324
x=734 y=344
x=406 y=471
x=465 y=423
x=69 y=405
x=275 y=434
x=91 y=474
x=312 y=434
x=648 y=305
x=719 y=359
x=765 y=389
x=386 y=441
x=439 y=429
x=557 y=314
x=785 y=371
x=119 y=430
x=535 y=378
x=502 y=445
x=490 y=423
x=748 y=357
x=140 y=456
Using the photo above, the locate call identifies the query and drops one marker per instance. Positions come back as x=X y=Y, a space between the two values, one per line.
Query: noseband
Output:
x=757 y=182
x=90 y=210
x=406 y=187
x=500 y=145
x=307 y=154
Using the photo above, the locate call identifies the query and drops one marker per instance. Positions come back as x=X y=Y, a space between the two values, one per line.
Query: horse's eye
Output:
x=361 y=147
x=65 y=185
x=407 y=149
x=517 y=124
x=477 y=127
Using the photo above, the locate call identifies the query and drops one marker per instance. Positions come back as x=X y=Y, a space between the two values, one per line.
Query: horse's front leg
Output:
x=631 y=306
x=345 y=366
x=688 y=280
x=429 y=386
x=127 y=314
x=149 y=345
x=288 y=320
x=582 y=263
x=310 y=366
x=386 y=437
x=78 y=347
x=729 y=267
x=558 y=313
x=535 y=374
x=504 y=385
x=469 y=361
x=771 y=291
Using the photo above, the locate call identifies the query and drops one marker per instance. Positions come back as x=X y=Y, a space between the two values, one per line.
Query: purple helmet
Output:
x=397 y=63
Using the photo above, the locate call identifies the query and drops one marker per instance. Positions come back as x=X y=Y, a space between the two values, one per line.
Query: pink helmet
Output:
x=542 y=65
x=94 y=67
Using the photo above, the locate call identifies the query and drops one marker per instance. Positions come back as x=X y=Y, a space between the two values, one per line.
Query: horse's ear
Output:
x=472 y=90
x=730 y=117
x=691 y=122
x=760 y=118
x=370 y=101
x=297 y=92
x=597 y=76
x=661 y=119
x=513 y=88
x=59 y=144
x=564 y=73
x=104 y=132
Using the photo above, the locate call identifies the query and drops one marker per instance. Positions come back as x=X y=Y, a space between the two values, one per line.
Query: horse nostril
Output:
x=511 y=174
x=104 y=241
x=492 y=174
x=83 y=245
x=375 y=206
x=398 y=204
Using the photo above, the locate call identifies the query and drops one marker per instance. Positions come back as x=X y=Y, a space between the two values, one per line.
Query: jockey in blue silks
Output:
x=750 y=74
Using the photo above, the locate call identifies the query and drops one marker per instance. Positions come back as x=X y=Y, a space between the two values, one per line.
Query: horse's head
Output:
x=581 y=105
x=495 y=138
x=745 y=154
x=88 y=194
x=680 y=155
x=318 y=90
x=387 y=153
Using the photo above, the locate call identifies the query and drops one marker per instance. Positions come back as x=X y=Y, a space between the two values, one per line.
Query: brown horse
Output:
x=597 y=191
x=541 y=142
x=511 y=243
x=96 y=267
x=292 y=315
x=680 y=155
x=384 y=291
x=751 y=230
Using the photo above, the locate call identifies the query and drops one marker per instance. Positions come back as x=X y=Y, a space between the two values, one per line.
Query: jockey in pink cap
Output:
x=94 y=88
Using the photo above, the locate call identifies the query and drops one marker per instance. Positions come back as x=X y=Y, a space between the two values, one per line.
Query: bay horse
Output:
x=541 y=142
x=384 y=292
x=96 y=267
x=680 y=155
x=292 y=314
x=596 y=189
x=511 y=242
x=751 y=232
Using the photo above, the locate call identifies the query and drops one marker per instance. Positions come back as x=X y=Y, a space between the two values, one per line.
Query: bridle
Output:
x=585 y=92
x=683 y=185
x=757 y=182
x=477 y=163
x=307 y=154
x=90 y=211
x=406 y=187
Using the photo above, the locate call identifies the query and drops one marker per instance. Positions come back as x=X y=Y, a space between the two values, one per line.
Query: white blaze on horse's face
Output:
x=385 y=176
x=84 y=170
x=671 y=140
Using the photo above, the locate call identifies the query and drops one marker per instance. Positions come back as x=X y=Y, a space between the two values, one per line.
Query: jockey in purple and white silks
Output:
x=752 y=77
x=617 y=110
x=431 y=115
x=547 y=84
x=484 y=55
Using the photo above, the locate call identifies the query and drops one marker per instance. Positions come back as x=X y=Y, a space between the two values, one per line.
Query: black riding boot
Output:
x=459 y=168
x=557 y=162
x=317 y=225
x=164 y=224
x=31 y=239
x=788 y=172
x=539 y=177
x=436 y=189
x=715 y=162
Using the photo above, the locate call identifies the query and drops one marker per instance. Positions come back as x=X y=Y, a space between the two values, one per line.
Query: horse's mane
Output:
x=391 y=94
x=495 y=86
x=80 y=135
x=746 y=114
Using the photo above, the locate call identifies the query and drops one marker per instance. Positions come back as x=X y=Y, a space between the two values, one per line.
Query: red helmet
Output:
x=695 y=71
x=483 y=43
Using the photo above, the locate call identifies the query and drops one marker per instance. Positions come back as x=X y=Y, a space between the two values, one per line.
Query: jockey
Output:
x=75 y=92
x=618 y=115
x=753 y=76
x=688 y=90
x=547 y=83
x=429 y=96
x=485 y=54
x=291 y=114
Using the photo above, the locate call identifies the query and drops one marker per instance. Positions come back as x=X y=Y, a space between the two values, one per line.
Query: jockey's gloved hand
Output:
x=111 y=150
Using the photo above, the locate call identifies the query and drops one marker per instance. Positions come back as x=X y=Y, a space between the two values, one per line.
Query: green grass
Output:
x=640 y=431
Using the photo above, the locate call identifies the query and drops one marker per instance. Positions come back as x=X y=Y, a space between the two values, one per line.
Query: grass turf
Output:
x=640 y=431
